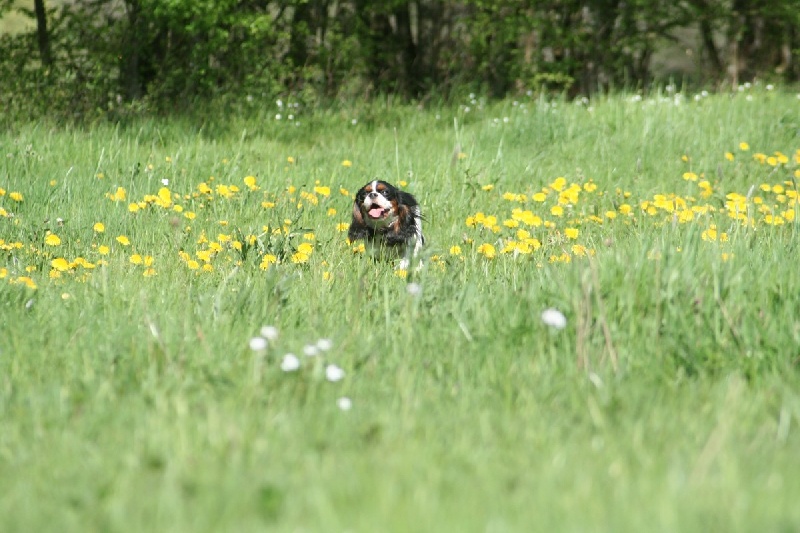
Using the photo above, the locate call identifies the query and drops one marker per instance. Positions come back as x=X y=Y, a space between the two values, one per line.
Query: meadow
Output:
x=189 y=342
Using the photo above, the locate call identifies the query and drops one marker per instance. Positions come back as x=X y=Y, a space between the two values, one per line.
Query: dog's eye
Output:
x=385 y=193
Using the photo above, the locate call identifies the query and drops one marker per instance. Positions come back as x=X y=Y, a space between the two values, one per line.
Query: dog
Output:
x=389 y=222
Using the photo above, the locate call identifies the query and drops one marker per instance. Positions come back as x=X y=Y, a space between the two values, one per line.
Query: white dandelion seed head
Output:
x=414 y=288
x=310 y=350
x=344 y=403
x=258 y=343
x=554 y=318
x=324 y=345
x=354 y=121
x=165 y=182
x=277 y=116
x=269 y=332
x=333 y=373
x=290 y=363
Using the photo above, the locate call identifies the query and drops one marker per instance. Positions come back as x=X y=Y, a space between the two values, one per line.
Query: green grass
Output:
x=669 y=402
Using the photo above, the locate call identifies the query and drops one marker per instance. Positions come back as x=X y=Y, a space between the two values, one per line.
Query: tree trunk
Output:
x=41 y=33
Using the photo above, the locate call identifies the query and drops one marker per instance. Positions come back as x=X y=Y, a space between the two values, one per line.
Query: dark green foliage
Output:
x=111 y=58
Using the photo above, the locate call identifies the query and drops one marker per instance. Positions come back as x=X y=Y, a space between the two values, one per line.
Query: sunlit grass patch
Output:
x=605 y=319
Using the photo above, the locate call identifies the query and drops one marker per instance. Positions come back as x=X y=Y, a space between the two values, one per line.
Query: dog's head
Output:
x=377 y=204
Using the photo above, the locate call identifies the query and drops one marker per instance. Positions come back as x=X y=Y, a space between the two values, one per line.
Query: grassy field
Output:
x=138 y=263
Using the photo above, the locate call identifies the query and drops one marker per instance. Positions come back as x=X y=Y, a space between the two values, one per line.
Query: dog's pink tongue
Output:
x=375 y=212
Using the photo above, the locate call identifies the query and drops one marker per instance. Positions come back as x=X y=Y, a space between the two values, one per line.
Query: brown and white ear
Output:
x=358 y=217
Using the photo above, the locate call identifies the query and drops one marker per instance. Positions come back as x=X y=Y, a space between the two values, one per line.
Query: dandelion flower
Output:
x=60 y=264
x=333 y=373
x=52 y=240
x=743 y=146
x=554 y=318
x=99 y=227
x=258 y=344
x=347 y=163
x=344 y=403
x=488 y=250
x=414 y=289
x=290 y=363
x=269 y=332
x=123 y=240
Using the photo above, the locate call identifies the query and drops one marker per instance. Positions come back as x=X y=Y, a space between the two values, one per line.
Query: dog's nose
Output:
x=373 y=195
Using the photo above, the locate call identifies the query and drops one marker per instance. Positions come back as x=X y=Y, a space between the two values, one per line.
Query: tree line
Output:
x=95 y=55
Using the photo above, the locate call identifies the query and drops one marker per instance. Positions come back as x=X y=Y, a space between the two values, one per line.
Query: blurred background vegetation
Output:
x=89 y=59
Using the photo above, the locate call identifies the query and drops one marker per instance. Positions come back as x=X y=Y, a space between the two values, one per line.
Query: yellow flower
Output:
x=192 y=264
x=300 y=257
x=16 y=196
x=250 y=181
x=60 y=264
x=579 y=250
x=149 y=272
x=743 y=146
x=123 y=240
x=690 y=176
x=557 y=211
x=322 y=190
x=99 y=227
x=28 y=282
x=455 y=250
x=103 y=250
x=571 y=233
x=136 y=259
x=401 y=273
x=133 y=207
x=327 y=276
x=559 y=183
x=347 y=163
x=539 y=197
x=710 y=234
x=52 y=240
x=488 y=250
x=331 y=211
x=729 y=156
x=117 y=196
x=267 y=261
x=290 y=160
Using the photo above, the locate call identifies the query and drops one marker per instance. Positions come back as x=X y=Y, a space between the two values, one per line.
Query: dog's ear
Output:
x=358 y=217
